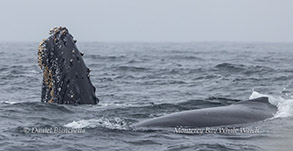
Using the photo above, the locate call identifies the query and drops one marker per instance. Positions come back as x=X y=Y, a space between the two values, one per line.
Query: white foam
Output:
x=116 y=104
x=115 y=123
x=285 y=106
x=8 y=102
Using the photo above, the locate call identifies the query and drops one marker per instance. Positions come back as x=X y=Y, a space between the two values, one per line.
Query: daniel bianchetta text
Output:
x=53 y=130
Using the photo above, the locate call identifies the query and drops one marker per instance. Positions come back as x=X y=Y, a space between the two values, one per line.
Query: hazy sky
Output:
x=149 y=20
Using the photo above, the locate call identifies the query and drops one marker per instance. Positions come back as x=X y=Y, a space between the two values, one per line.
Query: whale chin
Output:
x=66 y=79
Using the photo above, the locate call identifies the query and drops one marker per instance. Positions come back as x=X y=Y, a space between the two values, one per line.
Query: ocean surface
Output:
x=139 y=81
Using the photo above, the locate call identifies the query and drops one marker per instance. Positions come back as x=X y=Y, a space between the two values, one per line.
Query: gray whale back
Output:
x=242 y=112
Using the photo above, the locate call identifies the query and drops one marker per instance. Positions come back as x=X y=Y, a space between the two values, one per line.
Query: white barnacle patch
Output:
x=64 y=31
x=50 y=65
x=58 y=77
x=41 y=50
x=52 y=30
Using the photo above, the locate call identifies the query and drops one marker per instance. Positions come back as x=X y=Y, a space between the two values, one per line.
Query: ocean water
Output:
x=138 y=81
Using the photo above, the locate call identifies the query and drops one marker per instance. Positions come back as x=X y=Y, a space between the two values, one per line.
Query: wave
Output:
x=230 y=66
x=181 y=57
x=135 y=61
x=245 y=69
x=110 y=58
x=8 y=102
x=37 y=106
x=163 y=82
x=110 y=123
x=132 y=68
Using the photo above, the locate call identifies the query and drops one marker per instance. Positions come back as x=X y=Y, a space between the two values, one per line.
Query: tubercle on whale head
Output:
x=64 y=70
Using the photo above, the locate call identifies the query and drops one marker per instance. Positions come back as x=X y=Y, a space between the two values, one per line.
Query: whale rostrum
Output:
x=66 y=79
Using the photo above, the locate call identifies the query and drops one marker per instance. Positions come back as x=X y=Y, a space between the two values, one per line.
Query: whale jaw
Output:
x=66 y=79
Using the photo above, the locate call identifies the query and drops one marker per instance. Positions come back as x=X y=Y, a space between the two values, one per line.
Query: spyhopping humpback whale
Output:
x=66 y=81
x=243 y=112
x=65 y=76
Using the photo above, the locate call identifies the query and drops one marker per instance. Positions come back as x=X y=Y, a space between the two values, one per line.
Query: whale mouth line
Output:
x=66 y=78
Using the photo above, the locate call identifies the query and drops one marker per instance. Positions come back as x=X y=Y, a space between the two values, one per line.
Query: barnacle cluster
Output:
x=41 y=49
x=48 y=80
x=47 y=72
x=56 y=30
x=56 y=33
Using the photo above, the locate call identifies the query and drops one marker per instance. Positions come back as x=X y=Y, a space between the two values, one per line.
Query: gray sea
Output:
x=138 y=81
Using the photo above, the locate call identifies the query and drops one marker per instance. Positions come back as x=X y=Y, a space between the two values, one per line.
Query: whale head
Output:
x=66 y=79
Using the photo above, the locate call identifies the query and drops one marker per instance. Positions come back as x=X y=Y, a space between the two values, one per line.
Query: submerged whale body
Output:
x=242 y=112
x=65 y=76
